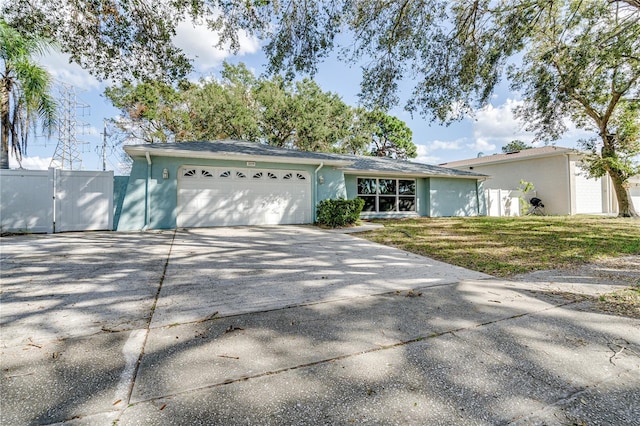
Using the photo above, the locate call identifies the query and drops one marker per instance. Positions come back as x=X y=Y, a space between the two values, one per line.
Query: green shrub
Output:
x=335 y=213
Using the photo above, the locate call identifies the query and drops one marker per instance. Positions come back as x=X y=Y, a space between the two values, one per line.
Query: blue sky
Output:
x=490 y=129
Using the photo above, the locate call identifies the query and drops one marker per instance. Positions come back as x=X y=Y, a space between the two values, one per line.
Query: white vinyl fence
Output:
x=55 y=200
x=502 y=202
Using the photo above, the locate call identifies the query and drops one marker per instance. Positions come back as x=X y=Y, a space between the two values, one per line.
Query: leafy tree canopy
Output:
x=112 y=39
x=515 y=146
x=391 y=137
x=275 y=111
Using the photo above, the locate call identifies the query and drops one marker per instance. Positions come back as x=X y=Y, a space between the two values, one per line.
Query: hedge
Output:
x=336 y=213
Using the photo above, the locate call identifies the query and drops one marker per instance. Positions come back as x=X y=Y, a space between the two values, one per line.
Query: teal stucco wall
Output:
x=424 y=196
x=132 y=216
x=163 y=193
x=454 y=197
x=119 y=190
x=435 y=196
x=333 y=186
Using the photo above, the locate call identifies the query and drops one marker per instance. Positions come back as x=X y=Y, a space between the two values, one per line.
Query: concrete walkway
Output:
x=295 y=325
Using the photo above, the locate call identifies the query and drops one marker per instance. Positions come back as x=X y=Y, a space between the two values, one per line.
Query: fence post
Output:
x=53 y=184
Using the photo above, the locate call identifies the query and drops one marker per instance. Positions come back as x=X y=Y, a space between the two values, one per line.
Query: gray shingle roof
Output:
x=236 y=147
x=525 y=154
x=388 y=165
x=352 y=163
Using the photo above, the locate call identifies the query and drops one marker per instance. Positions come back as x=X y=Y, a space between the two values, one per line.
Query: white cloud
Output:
x=573 y=133
x=499 y=123
x=425 y=151
x=497 y=126
x=438 y=144
x=482 y=145
x=91 y=131
x=427 y=159
x=30 y=163
x=58 y=65
x=424 y=156
x=198 y=42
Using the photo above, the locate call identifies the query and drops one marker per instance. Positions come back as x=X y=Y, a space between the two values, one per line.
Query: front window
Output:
x=387 y=195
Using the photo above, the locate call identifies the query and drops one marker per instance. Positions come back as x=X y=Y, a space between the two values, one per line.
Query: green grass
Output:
x=506 y=246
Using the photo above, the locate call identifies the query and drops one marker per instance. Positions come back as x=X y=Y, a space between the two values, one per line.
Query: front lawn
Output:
x=506 y=246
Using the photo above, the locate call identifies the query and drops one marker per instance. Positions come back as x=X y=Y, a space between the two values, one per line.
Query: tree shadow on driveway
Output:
x=466 y=351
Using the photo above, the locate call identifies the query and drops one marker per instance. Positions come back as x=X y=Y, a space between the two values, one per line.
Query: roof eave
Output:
x=139 y=151
x=411 y=174
x=510 y=160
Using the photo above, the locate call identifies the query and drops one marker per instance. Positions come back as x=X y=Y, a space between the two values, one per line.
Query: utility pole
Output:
x=104 y=145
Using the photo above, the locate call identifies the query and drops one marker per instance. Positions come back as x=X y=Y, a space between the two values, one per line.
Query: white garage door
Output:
x=588 y=194
x=225 y=196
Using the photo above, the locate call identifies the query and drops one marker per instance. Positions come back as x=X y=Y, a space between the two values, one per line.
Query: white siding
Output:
x=502 y=202
x=588 y=194
x=549 y=176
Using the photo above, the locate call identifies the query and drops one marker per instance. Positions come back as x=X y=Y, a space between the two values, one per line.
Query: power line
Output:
x=67 y=153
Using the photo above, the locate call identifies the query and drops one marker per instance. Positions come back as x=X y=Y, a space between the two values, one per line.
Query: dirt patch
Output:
x=619 y=271
x=611 y=285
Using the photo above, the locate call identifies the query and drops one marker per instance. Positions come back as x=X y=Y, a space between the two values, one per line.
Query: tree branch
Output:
x=632 y=3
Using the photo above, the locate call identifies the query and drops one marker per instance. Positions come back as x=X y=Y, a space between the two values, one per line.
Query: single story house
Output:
x=556 y=175
x=227 y=183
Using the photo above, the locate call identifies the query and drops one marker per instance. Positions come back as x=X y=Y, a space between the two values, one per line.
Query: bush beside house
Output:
x=336 y=213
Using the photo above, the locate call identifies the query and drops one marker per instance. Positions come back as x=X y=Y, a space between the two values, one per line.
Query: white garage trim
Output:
x=229 y=196
x=588 y=194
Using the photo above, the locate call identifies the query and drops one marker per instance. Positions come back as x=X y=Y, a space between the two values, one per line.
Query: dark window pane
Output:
x=407 y=187
x=387 y=204
x=407 y=204
x=387 y=186
x=369 y=204
x=366 y=186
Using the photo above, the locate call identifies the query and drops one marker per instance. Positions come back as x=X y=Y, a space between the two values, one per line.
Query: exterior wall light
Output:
x=165 y=173
x=320 y=180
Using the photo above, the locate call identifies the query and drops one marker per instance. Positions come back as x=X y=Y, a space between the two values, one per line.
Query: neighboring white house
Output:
x=557 y=177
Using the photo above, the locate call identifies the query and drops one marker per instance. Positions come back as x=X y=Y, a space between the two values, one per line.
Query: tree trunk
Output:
x=608 y=154
x=625 y=203
x=5 y=124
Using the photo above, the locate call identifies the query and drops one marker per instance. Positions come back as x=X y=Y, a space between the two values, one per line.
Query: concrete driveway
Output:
x=295 y=325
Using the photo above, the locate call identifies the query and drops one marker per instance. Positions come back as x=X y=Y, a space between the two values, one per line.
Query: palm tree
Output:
x=25 y=88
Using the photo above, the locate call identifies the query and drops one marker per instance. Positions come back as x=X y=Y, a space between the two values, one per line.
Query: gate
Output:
x=55 y=200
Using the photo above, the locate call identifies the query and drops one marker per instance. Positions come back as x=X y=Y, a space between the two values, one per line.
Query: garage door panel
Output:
x=231 y=196
x=588 y=194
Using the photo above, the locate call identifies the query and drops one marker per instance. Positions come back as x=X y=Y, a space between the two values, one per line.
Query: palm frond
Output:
x=26 y=85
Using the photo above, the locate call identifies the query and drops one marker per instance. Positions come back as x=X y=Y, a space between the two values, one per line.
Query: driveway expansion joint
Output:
x=147 y=329
x=573 y=396
x=378 y=348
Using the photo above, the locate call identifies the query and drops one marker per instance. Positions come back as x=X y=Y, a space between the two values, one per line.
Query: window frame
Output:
x=398 y=196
